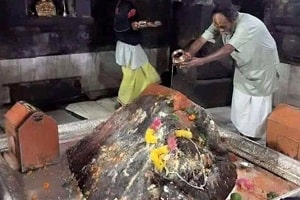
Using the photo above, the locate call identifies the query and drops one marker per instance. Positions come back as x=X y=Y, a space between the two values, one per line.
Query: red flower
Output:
x=172 y=143
x=245 y=184
x=131 y=13
x=156 y=124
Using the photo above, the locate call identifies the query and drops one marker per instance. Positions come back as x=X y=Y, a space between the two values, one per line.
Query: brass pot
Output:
x=178 y=56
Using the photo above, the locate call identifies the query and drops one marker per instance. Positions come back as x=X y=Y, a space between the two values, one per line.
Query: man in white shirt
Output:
x=247 y=40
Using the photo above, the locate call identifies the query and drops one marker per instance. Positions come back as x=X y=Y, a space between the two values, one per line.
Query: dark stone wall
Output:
x=253 y=7
x=46 y=36
x=283 y=20
x=103 y=11
x=24 y=36
x=282 y=17
x=189 y=21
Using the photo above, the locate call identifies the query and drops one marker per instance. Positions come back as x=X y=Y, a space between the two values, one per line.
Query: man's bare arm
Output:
x=226 y=50
x=196 y=46
x=220 y=53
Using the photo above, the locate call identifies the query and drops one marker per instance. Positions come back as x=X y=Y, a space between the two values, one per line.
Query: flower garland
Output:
x=159 y=155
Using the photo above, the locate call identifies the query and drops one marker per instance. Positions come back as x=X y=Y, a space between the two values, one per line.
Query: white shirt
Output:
x=255 y=55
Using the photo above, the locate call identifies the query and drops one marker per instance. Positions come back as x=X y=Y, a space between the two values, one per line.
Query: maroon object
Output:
x=32 y=136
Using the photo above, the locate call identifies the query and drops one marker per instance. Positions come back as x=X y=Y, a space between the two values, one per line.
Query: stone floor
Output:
x=100 y=109
x=221 y=116
x=103 y=108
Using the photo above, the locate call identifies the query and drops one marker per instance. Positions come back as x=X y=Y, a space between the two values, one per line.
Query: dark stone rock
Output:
x=114 y=162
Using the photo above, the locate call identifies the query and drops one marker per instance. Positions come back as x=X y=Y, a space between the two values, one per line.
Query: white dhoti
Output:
x=249 y=113
x=132 y=56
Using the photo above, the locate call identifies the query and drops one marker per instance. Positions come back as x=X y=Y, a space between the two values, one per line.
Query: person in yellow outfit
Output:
x=138 y=73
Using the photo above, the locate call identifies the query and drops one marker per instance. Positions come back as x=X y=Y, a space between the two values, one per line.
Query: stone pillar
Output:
x=281 y=95
x=294 y=89
x=289 y=81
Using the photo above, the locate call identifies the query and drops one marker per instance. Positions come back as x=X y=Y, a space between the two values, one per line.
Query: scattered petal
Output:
x=156 y=123
x=172 y=143
x=150 y=136
x=157 y=156
x=184 y=133
x=245 y=184
x=46 y=185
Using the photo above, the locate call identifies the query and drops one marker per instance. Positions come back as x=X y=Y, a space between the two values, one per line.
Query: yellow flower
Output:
x=150 y=136
x=157 y=157
x=184 y=133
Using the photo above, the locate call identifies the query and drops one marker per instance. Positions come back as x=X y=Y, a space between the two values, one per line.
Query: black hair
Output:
x=227 y=9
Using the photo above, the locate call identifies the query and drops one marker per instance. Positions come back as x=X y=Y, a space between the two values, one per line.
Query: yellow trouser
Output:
x=135 y=81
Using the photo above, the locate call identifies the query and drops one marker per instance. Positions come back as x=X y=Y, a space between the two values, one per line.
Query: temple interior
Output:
x=62 y=136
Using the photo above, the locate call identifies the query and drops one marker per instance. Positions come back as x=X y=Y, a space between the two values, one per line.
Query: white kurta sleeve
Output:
x=241 y=36
x=209 y=33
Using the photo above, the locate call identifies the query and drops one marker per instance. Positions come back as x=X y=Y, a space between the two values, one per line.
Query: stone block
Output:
x=283 y=130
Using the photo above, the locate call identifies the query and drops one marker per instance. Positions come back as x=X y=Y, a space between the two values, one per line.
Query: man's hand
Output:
x=193 y=62
x=135 y=25
x=188 y=55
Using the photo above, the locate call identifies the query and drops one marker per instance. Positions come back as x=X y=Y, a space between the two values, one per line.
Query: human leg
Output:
x=249 y=113
x=135 y=81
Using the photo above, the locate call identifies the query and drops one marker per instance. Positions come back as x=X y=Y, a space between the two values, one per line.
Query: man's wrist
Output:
x=189 y=54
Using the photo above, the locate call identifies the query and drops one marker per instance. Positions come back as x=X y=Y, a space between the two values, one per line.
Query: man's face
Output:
x=222 y=23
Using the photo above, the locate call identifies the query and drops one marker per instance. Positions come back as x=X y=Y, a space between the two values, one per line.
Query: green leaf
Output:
x=272 y=195
x=189 y=111
x=235 y=196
